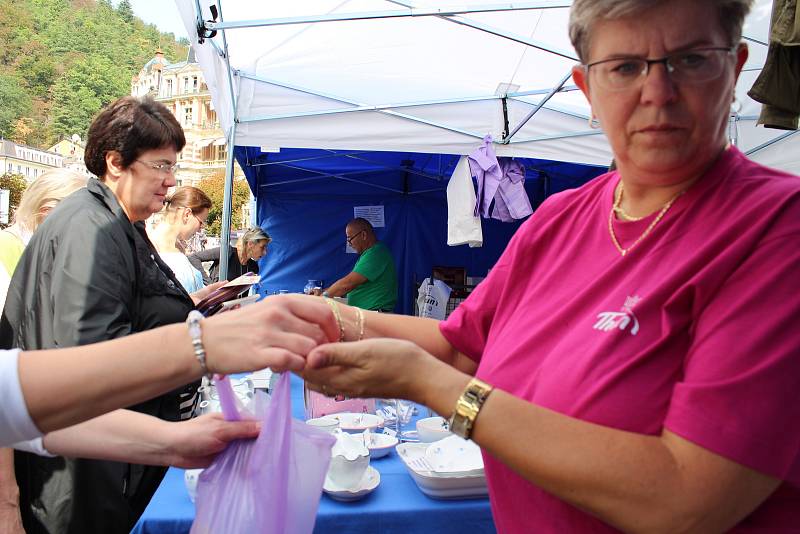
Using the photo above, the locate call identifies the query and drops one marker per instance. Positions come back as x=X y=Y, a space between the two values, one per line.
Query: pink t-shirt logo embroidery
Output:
x=607 y=321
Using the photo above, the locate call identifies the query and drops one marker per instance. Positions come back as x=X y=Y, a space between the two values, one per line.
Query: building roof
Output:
x=160 y=61
x=7 y=148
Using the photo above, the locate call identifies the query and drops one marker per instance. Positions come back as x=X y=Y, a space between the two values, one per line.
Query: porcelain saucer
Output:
x=368 y=483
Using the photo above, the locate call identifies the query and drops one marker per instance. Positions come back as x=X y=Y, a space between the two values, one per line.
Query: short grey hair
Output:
x=584 y=13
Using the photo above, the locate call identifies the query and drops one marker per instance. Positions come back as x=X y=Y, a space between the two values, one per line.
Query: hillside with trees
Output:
x=63 y=60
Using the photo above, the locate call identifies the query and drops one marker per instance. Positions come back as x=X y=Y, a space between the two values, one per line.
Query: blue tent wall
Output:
x=306 y=197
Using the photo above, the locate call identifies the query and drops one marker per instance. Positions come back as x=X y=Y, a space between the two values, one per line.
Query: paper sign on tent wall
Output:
x=374 y=214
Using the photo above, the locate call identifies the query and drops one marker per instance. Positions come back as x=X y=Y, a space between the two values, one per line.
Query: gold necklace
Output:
x=624 y=251
x=620 y=210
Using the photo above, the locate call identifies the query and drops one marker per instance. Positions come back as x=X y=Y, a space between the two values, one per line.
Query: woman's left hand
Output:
x=200 y=294
x=195 y=443
x=386 y=368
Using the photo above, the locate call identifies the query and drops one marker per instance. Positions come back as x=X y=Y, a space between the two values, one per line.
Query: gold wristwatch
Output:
x=469 y=404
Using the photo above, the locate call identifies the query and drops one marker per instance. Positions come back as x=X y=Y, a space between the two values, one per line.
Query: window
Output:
x=168 y=89
x=194 y=84
x=187 y=116
x=186 y=84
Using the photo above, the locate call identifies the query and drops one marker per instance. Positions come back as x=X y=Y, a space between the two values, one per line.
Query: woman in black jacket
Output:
x=91 y=274
x=243 y=258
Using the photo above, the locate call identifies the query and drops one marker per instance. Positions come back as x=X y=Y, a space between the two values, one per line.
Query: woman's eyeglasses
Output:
x=166 y=168
x=690 y=66
x=201 y=221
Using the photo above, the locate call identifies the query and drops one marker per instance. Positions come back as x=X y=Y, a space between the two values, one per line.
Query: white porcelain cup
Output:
x=324 y=423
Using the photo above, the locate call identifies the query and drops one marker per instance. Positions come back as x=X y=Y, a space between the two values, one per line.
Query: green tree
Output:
x=213 y=185
x=125 y=11
x=14 y=103
x=16 y=185
x=88 y=86
x=61 y=60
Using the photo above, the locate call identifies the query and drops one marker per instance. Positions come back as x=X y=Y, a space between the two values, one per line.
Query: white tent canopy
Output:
x=422 y=76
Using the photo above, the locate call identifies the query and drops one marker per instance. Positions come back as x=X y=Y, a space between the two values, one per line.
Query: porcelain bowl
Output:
x=324 y=423
x=432 y=429
x=355 y=423
x=380 y=445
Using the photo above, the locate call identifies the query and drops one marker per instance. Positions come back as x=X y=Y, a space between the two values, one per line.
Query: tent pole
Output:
x=771 y=142
x=367 y=15
x=358 y=107
x=495 y=31
x=584 y=133
x=539 y=106
x=227 y=197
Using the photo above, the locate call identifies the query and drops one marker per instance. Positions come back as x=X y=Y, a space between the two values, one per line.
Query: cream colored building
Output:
x=72 y=151
x=30 y=162
x=182 y=88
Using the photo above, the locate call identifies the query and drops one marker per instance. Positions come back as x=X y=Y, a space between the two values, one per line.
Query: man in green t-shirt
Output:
x=372 y=284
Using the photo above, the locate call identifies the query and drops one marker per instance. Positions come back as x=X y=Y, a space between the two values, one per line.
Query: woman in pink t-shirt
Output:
x=641 y=333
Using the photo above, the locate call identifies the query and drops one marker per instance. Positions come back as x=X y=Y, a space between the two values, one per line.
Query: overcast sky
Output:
x=162 y=13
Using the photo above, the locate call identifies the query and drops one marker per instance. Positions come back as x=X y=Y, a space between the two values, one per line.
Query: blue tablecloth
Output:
x=396 y=506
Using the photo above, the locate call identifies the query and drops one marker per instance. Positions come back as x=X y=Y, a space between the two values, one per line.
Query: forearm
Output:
x=632 y=481
x=66 y=386
x=420 y=330
x=339 y=288
x=122 y=436
x=9 y=491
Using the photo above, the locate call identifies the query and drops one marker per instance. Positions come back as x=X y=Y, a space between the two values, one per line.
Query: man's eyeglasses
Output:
x=350 y=239
x=690 y=66
x=161 y=167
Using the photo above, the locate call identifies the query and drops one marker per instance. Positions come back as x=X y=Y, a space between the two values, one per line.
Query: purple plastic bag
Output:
x=270 y=485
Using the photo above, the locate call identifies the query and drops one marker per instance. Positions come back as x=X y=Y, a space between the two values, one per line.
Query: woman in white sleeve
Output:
x=47 y=390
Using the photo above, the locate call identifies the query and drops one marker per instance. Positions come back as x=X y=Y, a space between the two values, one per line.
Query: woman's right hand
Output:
x=277 y=332
x=385 y=368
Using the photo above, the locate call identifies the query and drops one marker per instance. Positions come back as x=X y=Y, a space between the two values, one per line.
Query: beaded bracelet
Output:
x=195 y=331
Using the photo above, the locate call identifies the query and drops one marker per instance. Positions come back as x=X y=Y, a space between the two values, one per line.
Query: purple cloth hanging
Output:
x=501 y=185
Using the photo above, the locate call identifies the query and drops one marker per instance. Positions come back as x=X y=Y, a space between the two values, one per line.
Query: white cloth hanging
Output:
x=463 y=227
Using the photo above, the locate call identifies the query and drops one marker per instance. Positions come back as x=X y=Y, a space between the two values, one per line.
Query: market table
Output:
x=396 y=506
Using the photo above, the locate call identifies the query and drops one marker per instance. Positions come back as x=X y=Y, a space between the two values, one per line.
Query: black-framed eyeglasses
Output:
x=170 y=168
x=688 y=66
x=350 y=239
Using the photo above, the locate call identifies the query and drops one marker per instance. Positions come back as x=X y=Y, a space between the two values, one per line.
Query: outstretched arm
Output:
x=62 y=387
x=126 y=436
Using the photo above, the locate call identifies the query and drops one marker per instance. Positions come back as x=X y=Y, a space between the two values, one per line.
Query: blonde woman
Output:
x=185 y=214
x=243 y=258
x=37 y=201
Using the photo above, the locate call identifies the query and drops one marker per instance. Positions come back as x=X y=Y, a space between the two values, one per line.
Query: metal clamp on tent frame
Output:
x=203 y=32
